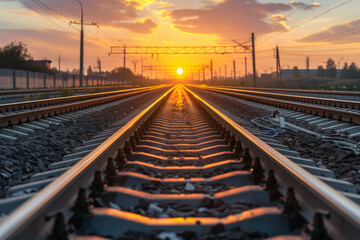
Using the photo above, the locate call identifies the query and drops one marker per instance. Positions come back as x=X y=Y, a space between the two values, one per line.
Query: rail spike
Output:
x=239 y=150
x=110 y=172
x=97 y=186
x=232 y=142
x=80 y=209
x=317 y=230
x=127 y=150
x=247 y=158
x=257 y=171
x=292 y=208
x=120 y=160
x=59 y=231
x=272 y=186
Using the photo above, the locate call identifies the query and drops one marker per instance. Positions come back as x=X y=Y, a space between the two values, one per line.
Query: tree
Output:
x=295 y=72
x=353 y=71
x=15 y=55
x=345 y=71
x=119 y=72
x=330 y=69
x=89 y=71
x=320 y=71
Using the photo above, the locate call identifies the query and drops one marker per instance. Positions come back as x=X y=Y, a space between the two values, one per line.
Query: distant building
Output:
x=288 y=73
x=43 y=63
x=268 y=75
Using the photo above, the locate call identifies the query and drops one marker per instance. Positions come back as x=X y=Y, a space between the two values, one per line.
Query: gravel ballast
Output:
x=344 y=163
x=26 y=156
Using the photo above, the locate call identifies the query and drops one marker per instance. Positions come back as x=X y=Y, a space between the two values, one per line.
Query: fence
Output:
x=12 y=78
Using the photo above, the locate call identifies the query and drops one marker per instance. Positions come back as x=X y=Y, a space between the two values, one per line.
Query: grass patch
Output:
x=65 y=92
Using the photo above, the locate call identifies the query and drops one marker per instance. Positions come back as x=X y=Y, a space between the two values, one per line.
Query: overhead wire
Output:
x=47 y=18
x=307 y=21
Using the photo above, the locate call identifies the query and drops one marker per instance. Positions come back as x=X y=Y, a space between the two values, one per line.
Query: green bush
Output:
x=65 y=92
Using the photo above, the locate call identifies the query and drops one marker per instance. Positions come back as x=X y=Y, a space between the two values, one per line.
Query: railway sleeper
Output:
x=228 y=201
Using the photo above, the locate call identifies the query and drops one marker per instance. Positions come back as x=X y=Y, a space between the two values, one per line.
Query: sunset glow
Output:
x=292 y=25
x=179 y=71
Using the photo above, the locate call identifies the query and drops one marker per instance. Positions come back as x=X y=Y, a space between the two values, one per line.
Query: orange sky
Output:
x=293 y=25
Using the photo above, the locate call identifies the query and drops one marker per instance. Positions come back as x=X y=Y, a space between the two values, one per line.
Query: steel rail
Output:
x=22 y=117
x=346 y=93
x=61 y=100
x=337 y=114
x=30 y=217
x=313 y=194
x=305 y=99
x=45 y=90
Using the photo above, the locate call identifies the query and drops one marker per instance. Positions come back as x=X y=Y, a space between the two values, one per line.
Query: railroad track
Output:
x=317 y=92
x=24 y=112
x=53 y=90
x=341 y=111
x=182 y=167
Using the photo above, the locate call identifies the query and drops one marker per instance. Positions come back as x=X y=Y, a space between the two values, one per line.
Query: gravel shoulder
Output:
x=344 y=163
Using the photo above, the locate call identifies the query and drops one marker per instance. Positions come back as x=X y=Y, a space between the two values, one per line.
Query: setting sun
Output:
x=179 y=71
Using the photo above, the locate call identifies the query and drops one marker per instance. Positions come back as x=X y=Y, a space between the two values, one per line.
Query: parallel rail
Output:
x=30 y=219
x=81 y=102
x=343 y=93
x=52 y=90
x=326 y=110
x=61 y=100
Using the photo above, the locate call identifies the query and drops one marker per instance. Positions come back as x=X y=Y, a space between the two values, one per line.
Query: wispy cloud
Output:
x=227 y=17
x=304 y=5
x=23 y=12
x=348 y=32
x=113 y=13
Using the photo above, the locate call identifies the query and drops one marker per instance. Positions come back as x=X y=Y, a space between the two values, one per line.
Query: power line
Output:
x=27 y=5
x=51 y=11
x=307 y=21
x=69 y=10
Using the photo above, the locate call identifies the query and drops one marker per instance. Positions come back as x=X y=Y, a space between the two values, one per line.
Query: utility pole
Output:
x=135 y=63
x=82 y=41
x=99 y=65
x=234 y=72
x=203 y=74
x=245 y=68
x=253 y=56
x=307 y=66
x=142 y=67
x=219 y=73
x=278 y=69
x=225 y=72
x=338 y=75
x=123 y=78
x=59 y=63
x=211 y=67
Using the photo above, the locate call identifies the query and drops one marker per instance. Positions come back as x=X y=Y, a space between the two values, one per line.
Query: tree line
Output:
x=15 y=55
x=330 y=71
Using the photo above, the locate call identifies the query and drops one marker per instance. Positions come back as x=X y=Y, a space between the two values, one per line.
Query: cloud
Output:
x=304 y=5
x=142 y=27
x=348 y=32
x=22 y=12
x=162 y=4
x=140 y=4
x=228 y=17
x=278 y=17
x=114 y=13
